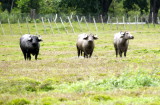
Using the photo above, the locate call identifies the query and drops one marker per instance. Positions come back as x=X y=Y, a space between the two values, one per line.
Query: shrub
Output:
x=19 y=101
x=49 y=101
x=101 y=97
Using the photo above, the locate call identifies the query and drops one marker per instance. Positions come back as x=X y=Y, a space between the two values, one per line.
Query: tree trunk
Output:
x=154 y=7
x=105 y=6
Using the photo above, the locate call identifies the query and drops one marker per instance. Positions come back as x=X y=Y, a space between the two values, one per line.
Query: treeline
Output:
x=84 y=7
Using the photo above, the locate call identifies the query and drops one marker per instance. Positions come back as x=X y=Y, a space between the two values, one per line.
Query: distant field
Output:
x=59 y=77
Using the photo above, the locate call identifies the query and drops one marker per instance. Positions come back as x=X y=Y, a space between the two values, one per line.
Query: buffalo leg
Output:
x=36 y=56
x=78 y=51
x=81 y=52
x=116 y=52
x=85 y=55
x=24 y=55
x=90 y=54
x=120 y=53
x=125 y=53
x=28 y=56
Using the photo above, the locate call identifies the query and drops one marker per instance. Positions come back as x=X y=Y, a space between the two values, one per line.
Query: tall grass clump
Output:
x=127 y=80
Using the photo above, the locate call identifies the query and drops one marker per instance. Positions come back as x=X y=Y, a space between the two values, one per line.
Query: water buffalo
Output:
x=121 y=42
x=29 y=44
x=85 y=43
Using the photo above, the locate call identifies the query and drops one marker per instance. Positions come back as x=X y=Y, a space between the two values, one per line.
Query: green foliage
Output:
x=19 y=101
x=139 y=5
x=47 y=85
x=19 y=85
x=49 y=6
x=27 y=5
x=49 y=101
x=101 y=97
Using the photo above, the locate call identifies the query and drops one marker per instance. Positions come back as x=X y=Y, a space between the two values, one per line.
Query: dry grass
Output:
x=60 y=77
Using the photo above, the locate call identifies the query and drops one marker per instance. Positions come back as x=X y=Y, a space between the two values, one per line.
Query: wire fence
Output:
x=16 y=24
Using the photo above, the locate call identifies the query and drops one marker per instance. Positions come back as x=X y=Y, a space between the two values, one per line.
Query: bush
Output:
x=20 y=101
x=101 y=97
x=49 y=101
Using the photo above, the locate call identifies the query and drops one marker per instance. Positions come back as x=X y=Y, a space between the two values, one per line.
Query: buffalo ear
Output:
x=122 y=34
x=29 y=38
x=39 y=38
x=85 y=37
x=95 y=37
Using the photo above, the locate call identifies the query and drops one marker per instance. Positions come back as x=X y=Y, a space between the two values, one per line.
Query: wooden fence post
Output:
x=2 y=28
x=158 y=20
x=71 y=25
x=117 y=23
x=11 y=32
x=124 y=23
x=79 y=23
x=102 y=21
x=95 y=24
x=86 y=23
x=50 y=26
x=35 y=24
x=44 y=25
x=20 y=29
x=135 y=21
x=55 y=19
x=64 y=25
x=129 y=19
x=27 y=25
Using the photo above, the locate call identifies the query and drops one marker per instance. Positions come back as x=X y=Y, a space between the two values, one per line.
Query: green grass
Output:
x=60 y=77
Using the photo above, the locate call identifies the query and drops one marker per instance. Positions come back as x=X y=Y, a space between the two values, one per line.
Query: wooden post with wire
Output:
x=27 y=25
x=11 y=32
x=35 y=24
x=51 y=26
x=2 y=28
x=86 y=23
x=71 y=25
x=95 y=24
x=63 y=25
x=43 y=25
x=102 y=21
x=79 y=23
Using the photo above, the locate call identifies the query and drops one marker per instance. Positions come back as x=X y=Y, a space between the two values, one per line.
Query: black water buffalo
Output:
x=29 y=44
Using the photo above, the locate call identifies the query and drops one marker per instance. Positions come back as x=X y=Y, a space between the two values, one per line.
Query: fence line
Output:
x=124 y=22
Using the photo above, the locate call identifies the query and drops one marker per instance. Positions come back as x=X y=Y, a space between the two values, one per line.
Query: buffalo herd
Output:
x=29 y=44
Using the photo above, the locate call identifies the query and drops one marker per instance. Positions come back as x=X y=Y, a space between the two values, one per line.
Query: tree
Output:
x=141 y=5
x=154 y=7
x=49 y=6
x=27 y=5
x=8 y=5
x=105 y=6
x=87 y=6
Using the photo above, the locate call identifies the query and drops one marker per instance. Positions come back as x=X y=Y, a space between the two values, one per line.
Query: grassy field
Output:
x=59 y=77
